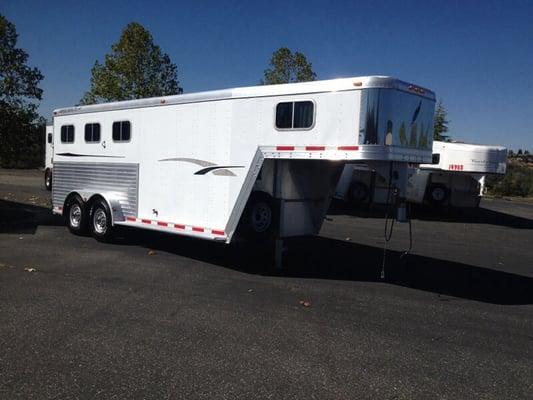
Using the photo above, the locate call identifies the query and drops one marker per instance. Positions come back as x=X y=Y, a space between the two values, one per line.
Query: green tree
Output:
x=287 y=67
x=136 y=68
x=441 y=123
x=21 y=136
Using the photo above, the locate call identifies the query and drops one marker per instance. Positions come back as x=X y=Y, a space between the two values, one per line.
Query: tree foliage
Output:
x=441 y=123
x=21 y=129
x=518 y=181
x=287 y=67
x=136 y=68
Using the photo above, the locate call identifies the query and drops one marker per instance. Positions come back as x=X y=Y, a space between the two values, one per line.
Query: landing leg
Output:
x=278 y=253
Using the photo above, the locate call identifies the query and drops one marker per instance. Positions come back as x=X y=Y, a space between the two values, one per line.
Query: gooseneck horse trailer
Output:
x=456 y=176
x=262 y=161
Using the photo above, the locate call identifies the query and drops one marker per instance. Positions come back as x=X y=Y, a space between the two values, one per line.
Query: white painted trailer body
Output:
x=457 y=174
x=48 y=155
x=192 y=160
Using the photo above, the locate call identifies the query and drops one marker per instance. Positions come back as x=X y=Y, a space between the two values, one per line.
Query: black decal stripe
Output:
x=86 y=155
x=204 y=171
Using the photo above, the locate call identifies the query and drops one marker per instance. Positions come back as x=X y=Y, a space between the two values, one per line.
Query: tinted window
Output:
x=436 y=158
x=121 y=131
x=284 y=115
x=67 y=133
x=49 y=138
x=92 y=132
x=295 y=115
x=303 y=114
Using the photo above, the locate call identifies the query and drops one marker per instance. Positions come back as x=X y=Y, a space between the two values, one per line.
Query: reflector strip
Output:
x=315 y=148
x=348 y=148
x=285 y=148
x=218 y=232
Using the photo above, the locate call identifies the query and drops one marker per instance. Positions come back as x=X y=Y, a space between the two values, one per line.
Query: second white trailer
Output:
x=456 y=176
x=260 y=160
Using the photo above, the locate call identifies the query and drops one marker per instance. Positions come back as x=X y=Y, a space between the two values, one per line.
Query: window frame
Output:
x=131 y=131
x=92 y=141
x=292 y=120
x=73 y=134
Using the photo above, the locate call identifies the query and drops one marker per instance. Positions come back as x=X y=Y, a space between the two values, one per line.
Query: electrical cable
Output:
x=387 y=233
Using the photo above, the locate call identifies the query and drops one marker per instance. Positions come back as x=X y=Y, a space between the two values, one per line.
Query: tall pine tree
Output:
x=440 y=126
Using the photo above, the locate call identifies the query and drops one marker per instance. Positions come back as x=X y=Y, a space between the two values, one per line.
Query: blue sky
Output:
x=476 y=55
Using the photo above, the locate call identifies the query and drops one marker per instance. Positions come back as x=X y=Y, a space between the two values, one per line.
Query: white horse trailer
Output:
x=456 y=176
x=263 y=159
x=48 y=155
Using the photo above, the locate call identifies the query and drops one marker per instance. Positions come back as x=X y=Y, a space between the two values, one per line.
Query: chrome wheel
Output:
x=261 y=217
x=74 y=215
x=100 y=221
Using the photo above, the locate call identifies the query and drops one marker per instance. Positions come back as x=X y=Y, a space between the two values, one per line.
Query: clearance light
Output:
x=358 y=83
x=416 y=89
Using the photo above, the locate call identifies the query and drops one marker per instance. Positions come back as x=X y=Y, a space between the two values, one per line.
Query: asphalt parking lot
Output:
x=156 y=316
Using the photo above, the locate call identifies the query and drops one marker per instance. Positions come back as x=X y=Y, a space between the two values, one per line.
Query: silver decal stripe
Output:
x=220 y=170
x=120 y=180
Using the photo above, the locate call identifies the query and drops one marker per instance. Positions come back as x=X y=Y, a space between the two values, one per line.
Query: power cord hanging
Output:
x=387 y=233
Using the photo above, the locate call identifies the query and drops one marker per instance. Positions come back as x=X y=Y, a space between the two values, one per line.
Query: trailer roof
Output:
x=331 y=85
x=466 y=146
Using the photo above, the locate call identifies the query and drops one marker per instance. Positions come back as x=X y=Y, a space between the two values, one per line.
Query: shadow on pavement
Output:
x=445 y=214
x=325 y=258
x=312 y=257
x=25 y=218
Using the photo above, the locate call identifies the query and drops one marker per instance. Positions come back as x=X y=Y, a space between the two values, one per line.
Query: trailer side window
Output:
x=92 y=133
x=295 y=115
x=121 y=131
x=67 y=134
x=49 y=138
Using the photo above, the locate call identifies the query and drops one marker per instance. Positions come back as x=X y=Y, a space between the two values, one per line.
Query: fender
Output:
x=117 y=214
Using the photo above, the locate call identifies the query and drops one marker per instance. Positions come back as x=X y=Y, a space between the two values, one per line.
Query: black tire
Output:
x=76 y=215
x=260 y=218
x=358 y=192
x=48 y=179
x=437 y=194
x=100 y=221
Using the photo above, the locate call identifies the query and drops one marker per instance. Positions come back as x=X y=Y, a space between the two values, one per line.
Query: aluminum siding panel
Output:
x=118 y=180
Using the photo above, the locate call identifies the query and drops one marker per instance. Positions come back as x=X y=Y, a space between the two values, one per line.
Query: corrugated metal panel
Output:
x=120 y=180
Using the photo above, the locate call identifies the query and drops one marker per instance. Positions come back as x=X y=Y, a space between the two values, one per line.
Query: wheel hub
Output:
x=75 y=215
x=100 y=221
x=438 y=194
x=261 y=217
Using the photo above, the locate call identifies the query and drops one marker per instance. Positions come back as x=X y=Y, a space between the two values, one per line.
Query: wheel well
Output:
x=96 y=197
x=69 y=198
